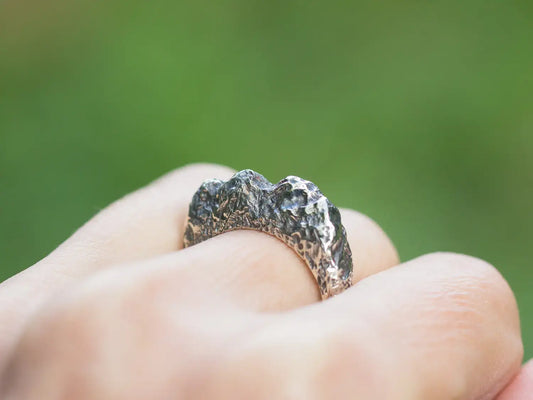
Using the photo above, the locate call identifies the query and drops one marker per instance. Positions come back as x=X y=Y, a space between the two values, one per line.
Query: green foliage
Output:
x=418 y=114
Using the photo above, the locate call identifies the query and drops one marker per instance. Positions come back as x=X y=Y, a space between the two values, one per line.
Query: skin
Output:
x=121 y=311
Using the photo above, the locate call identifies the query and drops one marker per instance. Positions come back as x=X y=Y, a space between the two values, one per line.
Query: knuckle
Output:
x=488 y=278
x=54 y=349
x=481 y=306
x=481 y=291
x=75 y=319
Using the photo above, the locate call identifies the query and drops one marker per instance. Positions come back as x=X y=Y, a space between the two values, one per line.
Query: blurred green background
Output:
x=419 y=114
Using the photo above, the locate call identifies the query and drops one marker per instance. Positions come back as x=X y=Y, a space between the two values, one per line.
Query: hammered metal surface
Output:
x=293 y=210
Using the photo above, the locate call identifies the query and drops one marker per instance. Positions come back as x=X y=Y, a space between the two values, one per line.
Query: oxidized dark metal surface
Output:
x=293 y=210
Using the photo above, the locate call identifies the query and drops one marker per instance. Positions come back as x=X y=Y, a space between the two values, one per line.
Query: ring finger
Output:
x=259 y=272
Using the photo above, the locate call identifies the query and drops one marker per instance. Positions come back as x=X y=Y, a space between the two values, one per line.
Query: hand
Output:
x=120 y=311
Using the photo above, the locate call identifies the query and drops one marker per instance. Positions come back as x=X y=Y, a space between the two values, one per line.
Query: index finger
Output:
x=145 y=223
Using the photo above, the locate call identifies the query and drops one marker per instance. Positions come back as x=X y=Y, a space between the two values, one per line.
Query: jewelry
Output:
x=293 y=210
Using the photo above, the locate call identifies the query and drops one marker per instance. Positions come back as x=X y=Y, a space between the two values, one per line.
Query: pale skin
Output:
x=121 y=311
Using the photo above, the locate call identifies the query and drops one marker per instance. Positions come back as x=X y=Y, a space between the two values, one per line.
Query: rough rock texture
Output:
x=293 y=210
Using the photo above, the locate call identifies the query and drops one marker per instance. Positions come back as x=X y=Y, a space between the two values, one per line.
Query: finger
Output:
x=439 y=327
x=259 y=272
x=521 y=387
x=372 y=248
x=145 y=223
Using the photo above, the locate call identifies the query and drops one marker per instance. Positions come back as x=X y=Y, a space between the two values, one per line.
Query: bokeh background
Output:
x=419 y=114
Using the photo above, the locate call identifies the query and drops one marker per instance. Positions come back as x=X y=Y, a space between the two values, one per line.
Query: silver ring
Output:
x=293 y=210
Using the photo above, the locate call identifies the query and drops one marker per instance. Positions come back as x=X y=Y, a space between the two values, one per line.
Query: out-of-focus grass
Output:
x=418 y=114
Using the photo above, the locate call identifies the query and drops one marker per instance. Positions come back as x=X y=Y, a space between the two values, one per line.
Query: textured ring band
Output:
x=293 y=210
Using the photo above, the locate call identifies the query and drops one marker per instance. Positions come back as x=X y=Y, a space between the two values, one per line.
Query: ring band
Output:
x=293 y=210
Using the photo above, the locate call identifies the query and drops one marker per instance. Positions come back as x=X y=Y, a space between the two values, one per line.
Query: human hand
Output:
x=120 y=311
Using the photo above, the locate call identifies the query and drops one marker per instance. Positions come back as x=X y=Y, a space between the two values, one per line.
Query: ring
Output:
x=293 y=210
